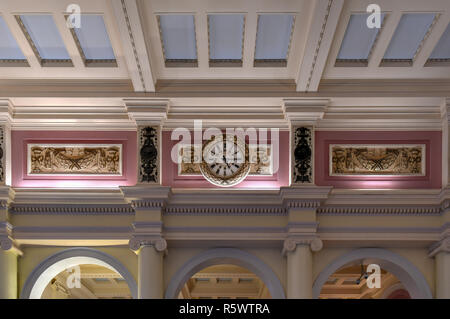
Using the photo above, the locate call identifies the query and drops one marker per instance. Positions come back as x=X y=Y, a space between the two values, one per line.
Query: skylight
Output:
x=441 y=53
x=226 y=33
x=44 y=38
x=358 y=41
x=409 y=35
x=273 y=39
x=93 y=41
x=10 y=53
x=178 y=39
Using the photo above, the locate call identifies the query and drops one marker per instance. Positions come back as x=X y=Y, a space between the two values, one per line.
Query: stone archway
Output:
x=403 y=269
x=225 y=256
x=51 y=266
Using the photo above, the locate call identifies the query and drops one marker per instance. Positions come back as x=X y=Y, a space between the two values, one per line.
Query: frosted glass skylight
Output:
x=44 y=37
x=358 y=40
x=226 y=32
x=9 y=49
x=93 y=39
x=273 y=39
x=442 y=49
x=178 y=39
x=408 y=36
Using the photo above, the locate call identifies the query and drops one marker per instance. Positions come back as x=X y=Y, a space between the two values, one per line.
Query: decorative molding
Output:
x=306 y=111
x=377 y=159
x=74 y=159
x=364 y=210
x=323 y=24
x=149 y=171
x=71 y=209
x=302 y=151
x=139 y=204
x=229 y=210
x=319 y=43
x=134 y=45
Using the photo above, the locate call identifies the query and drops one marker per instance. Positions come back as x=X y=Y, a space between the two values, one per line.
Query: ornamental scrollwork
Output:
x=148 y=153
x=302 y=172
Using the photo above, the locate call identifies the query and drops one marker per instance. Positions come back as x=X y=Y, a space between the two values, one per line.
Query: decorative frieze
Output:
x=359 y=159
x=148 y=155
x=302 y=166
x=76 y=159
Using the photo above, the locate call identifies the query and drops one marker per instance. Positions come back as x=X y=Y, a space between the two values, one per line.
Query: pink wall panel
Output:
x=20 y=139
x=171 y=178
x=432 y=140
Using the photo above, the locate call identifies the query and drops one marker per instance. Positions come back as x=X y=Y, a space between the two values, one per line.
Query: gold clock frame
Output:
x=231 y=180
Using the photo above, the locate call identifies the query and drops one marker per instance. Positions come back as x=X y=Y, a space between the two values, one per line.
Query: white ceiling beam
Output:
x=134 y=45
x=251 y=27
x=324 y=21
x=201 y=37
x=69 y=41
x=388 y=31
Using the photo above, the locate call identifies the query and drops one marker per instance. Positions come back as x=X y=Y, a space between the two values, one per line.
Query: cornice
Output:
x=364 y=210
x=71 y=209
x=147 y=111
x=229 y=210
x=305 y=111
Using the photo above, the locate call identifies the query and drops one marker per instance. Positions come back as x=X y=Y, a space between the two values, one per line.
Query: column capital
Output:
x=441 y=246
x=7 y=242
x=290 y=244
x=159 y=243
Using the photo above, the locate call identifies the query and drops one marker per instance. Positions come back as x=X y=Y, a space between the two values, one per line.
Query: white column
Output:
x=150 y=284
x=299 y=272
x=8 y=274
x=442 y=260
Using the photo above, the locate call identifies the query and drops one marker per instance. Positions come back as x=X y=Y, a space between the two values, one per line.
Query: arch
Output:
x=53 y=265
x=400 y=267
x=225 y=256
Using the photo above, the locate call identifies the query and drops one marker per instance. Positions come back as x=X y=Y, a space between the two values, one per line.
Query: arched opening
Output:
x=80 y=273
x=396 y=270
x=363 y=281
x=224 y=282
x=228 y=257
x=87 y=281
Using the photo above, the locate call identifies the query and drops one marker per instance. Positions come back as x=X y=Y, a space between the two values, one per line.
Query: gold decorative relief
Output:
x=60 y=159
x=260 y=158
x=377 y=160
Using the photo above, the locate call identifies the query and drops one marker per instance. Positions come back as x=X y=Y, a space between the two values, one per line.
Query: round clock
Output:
x=225 y=161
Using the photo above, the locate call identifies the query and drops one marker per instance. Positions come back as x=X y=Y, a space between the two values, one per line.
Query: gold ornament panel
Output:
x=76 y=159
x=357 y=159
x=260 y=158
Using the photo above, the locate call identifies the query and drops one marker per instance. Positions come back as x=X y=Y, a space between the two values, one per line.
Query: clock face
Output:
x=225 y=161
